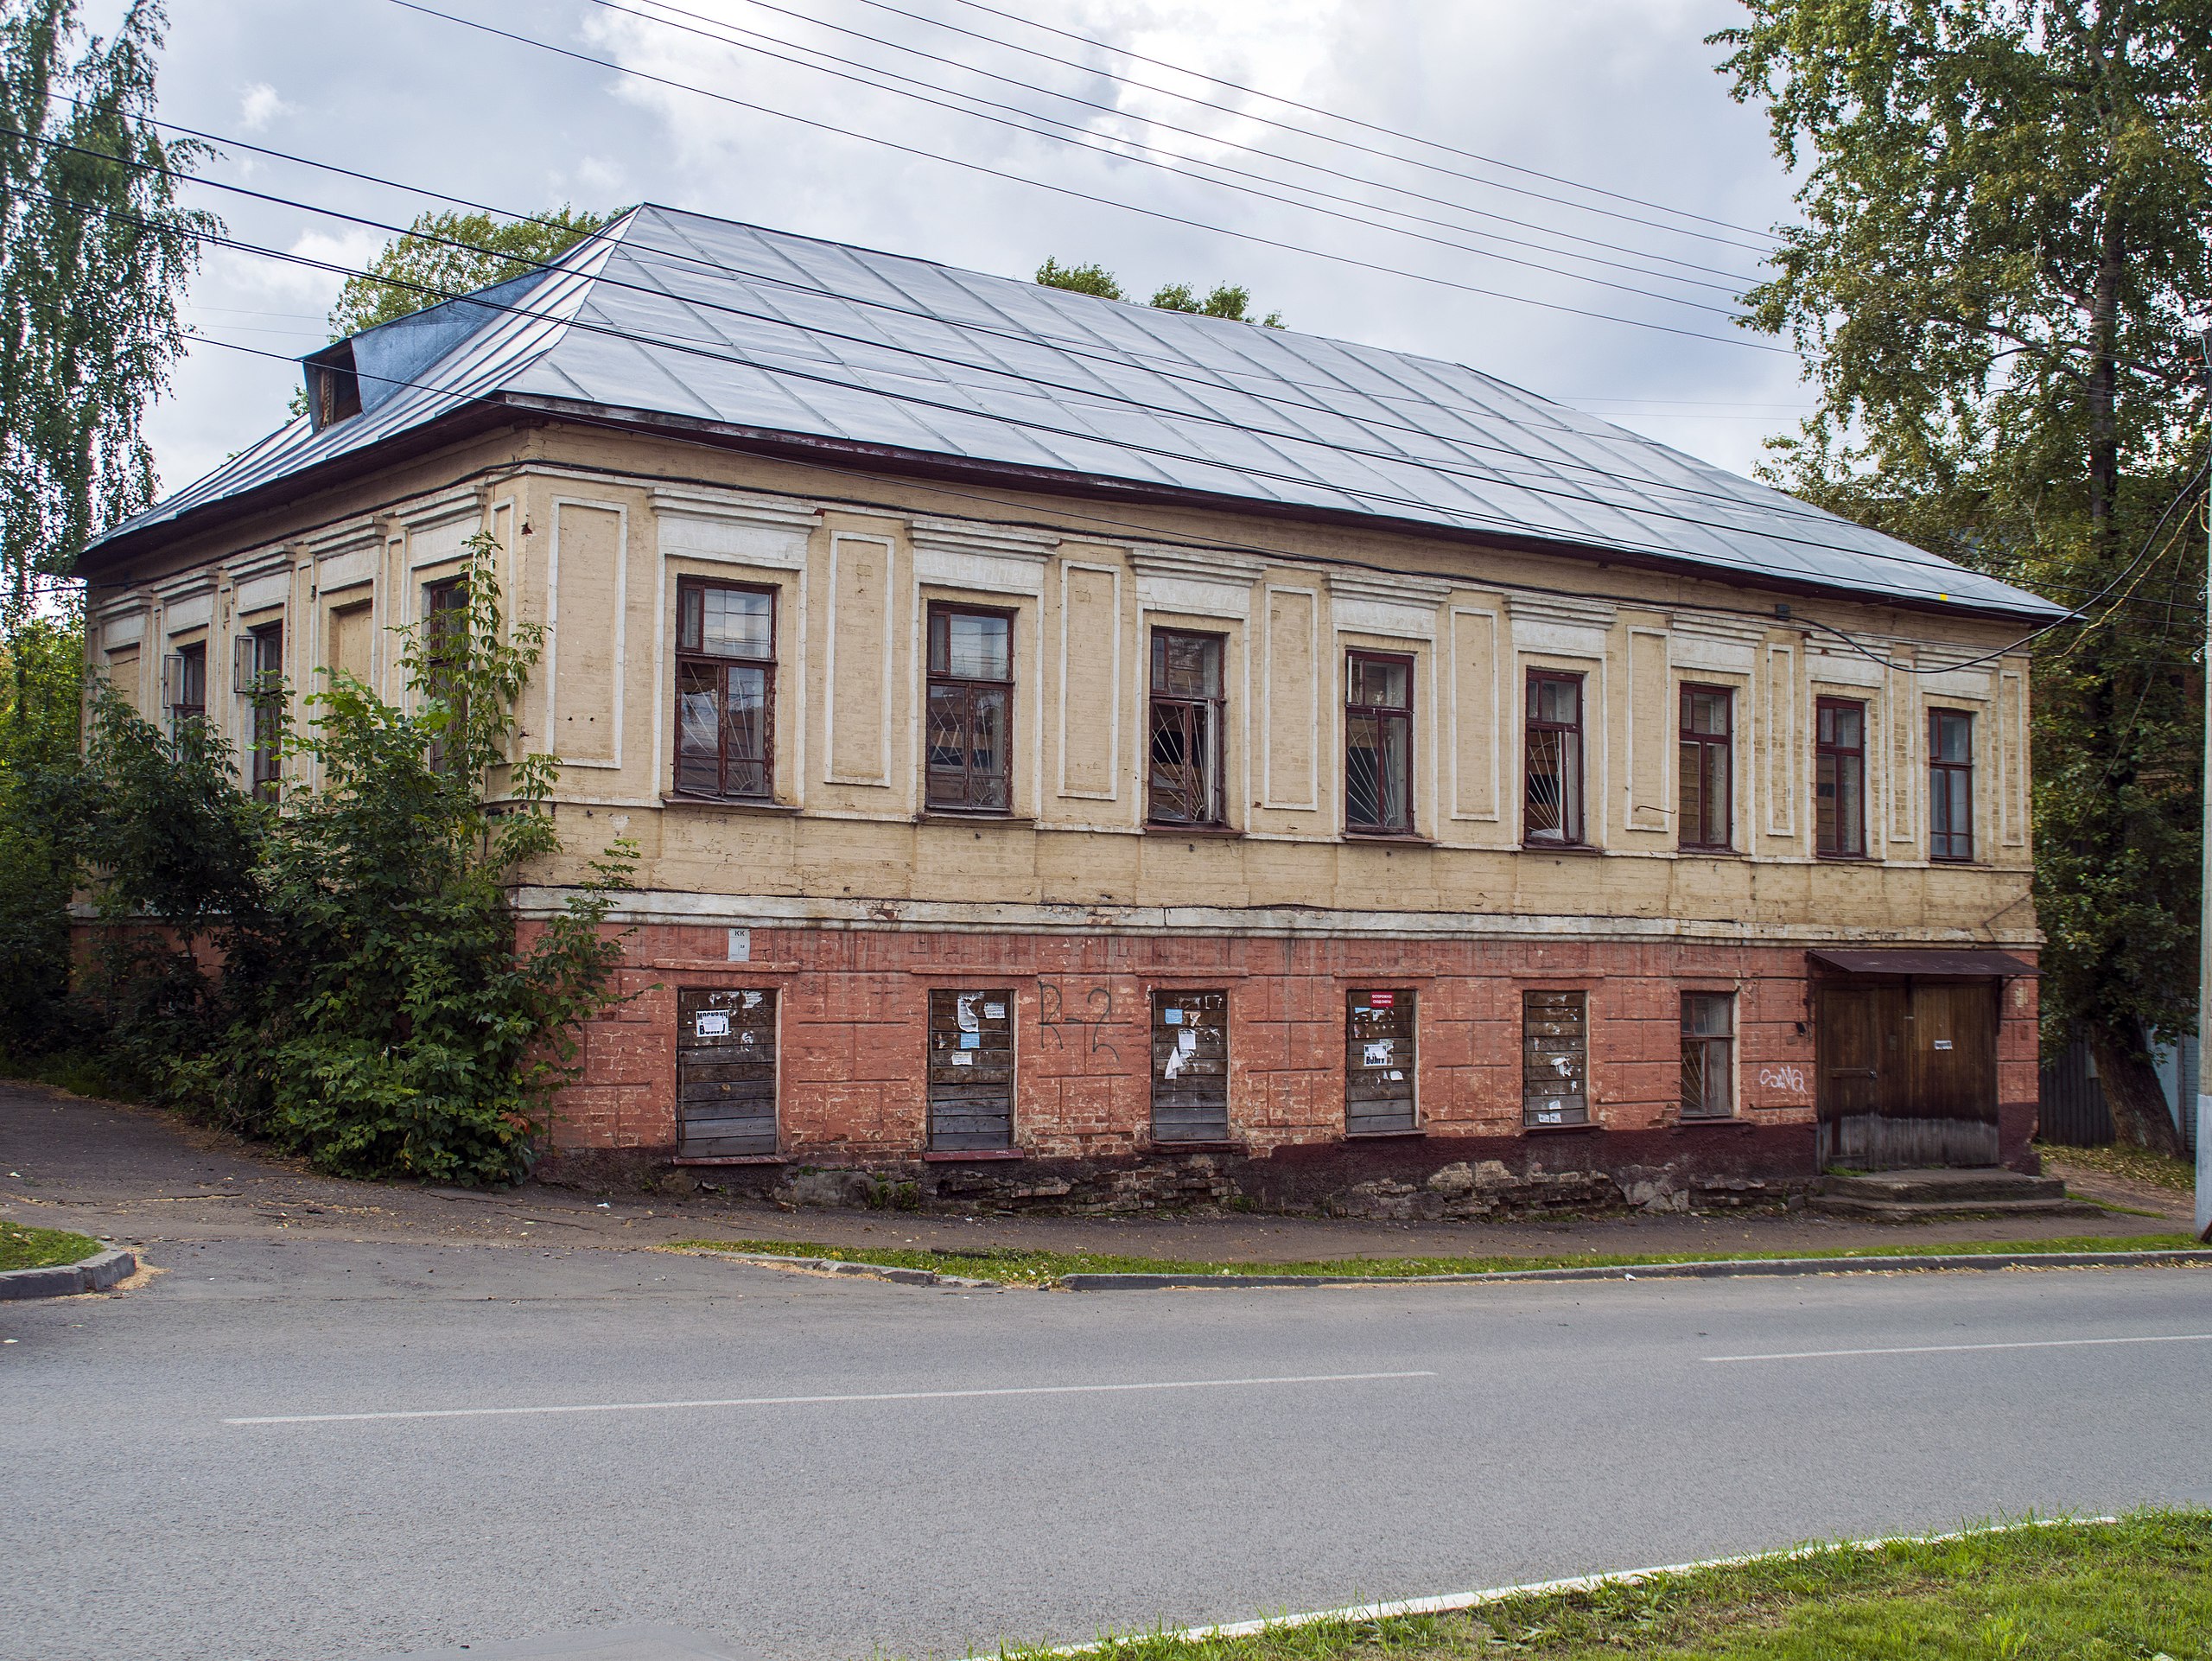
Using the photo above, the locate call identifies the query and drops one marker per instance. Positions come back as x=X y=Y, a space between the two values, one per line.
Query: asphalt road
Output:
x=1288 y=1449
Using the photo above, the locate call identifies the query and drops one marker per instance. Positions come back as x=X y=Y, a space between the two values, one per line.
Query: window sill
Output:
x=1414 y=1135
x=729 y=803
x=1408 y=838
x=972 y=816
x=1847 y=859
x=1560 y=848
x=1694 y=852
x=961 y=1156
x=1716 y=1122
x=1560 y=1129
x=734 y=1159
x=1167 y=828
x=1159 y=1146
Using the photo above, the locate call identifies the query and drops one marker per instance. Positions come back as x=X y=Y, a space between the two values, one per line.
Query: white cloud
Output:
x=260 y=105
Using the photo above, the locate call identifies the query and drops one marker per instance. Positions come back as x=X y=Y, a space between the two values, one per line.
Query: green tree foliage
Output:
x=2007 y=213
x=94 y=253
x=377 y=1007
x=42 y=679
x=1226 y=300
x=451 y=253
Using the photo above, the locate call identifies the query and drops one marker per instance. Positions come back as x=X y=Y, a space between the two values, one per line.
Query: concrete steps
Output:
x=1926 y=1196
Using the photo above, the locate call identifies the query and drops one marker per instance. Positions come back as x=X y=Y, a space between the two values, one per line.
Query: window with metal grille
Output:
x=1708 y=1055
x=1839 y=778
x=187 y=692
x=257 y=675
x=1554 y=1058
x=445 y=626
x=1378 y=1063
x=1552 y=809
x=1951 y=785
x=972 y=1070
x=971 y=739
x=1706 y=747
x=1378 y=743
x=725 y=689
x=1190 y=1066
x=1185 y=781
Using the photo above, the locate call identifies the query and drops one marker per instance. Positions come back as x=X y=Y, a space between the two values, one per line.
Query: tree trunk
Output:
x=2140 y=1117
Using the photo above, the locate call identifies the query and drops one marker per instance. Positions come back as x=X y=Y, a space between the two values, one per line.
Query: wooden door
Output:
x=1908 y=1074
x=725 y=1073
x=972 y=1070
x=1378 y=1063
x=1190 y=1066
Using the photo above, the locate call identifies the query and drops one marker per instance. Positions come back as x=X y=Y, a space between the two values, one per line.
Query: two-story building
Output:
x=1090 y=753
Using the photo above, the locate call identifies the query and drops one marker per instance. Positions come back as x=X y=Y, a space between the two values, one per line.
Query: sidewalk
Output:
x=141 y=1177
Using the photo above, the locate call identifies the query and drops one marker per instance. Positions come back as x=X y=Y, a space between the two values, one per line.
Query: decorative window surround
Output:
x=1559 y=623
x=1391 y=603
x=1196 y=582
x=733 y=529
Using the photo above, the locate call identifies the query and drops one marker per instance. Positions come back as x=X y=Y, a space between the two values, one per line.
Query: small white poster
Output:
x=1378 y=1053
x=995 y=1012
x=712 y=1023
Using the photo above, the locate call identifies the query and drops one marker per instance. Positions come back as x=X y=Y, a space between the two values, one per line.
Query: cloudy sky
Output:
x=1357 y=231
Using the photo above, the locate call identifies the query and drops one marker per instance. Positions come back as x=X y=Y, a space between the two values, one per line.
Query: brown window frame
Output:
x=1705 y=1052
x=191 y=668
x=697 y=659
x=1694 y=749
x=263 y=689
x=1826 y=750
x=1191 y=723
x=1953 y=846
x=439 y=600
x=941 y=613
x=1569 y=835
x=1382 y=715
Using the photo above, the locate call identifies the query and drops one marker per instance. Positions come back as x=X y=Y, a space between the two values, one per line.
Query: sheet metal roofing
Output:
x=673 y=314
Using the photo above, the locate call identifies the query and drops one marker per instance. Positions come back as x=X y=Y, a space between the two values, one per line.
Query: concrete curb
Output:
x=1719 y=1269
x=839 y=1266
x=96 y=1273
x=1454 y=1602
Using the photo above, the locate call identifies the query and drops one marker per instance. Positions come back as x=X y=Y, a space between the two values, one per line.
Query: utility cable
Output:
x=1328 y=138
x=1253 y=237
x=719 y=31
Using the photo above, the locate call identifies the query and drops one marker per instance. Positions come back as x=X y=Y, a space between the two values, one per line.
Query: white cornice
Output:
x=693 y=502
x=982 y=537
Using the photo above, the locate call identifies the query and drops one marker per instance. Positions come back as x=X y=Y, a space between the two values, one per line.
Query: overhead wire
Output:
x=1353 y=121
x=718 y=30
x=1253 y=237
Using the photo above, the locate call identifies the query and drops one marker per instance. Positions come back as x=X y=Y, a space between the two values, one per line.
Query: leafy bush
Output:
x=343 y=972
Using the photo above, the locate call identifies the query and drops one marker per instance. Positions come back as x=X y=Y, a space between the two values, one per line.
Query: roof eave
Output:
x=806 y=447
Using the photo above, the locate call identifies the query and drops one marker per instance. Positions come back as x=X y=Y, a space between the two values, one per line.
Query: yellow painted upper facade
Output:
x=601 y=534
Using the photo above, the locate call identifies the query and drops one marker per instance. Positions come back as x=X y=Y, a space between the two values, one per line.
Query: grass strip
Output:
x=2139 y=1588
x=2177 y=1176
x=1019 y=1266
x=41 y=1248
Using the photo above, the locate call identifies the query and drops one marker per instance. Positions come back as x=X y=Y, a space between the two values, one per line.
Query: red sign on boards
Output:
x=1381 y=1000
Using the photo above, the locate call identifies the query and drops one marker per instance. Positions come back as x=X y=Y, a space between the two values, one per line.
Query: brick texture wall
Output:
x=854 y=1003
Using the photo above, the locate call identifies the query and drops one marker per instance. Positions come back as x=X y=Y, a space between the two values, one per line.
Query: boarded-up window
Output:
x=1378 y=1063
x=725 y=1073
x=1554 y=1058
x=972 y=1070
x=1708 y=1055
x=1190 y=1066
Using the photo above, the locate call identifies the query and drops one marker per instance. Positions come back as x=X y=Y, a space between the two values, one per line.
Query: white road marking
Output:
x=1953 y=1349
x=811 y=1400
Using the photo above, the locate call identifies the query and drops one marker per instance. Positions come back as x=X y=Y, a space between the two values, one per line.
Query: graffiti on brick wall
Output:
x=1076 y=1031
x=1791 y=1080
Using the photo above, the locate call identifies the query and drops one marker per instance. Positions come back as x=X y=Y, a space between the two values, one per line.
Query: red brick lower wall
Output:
x=854 y=1008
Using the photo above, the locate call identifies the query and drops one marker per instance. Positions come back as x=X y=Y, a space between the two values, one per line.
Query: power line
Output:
x=1083 y=195
x=1352 y=121
x=1734 y=280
